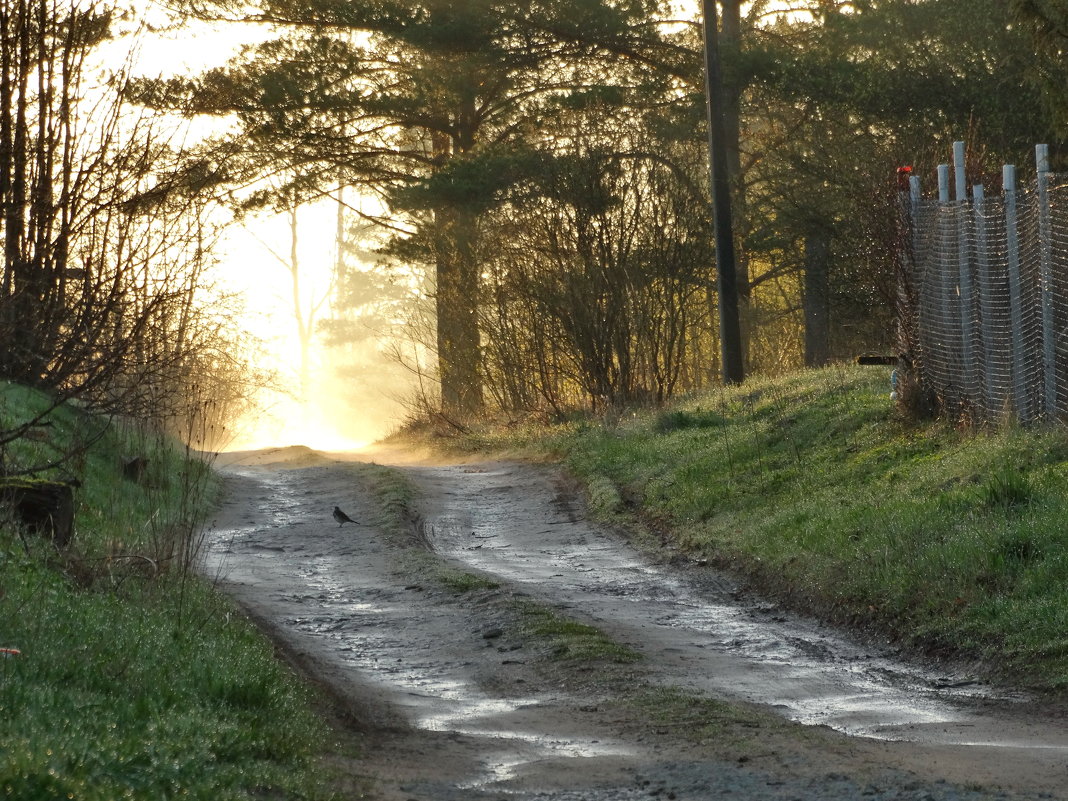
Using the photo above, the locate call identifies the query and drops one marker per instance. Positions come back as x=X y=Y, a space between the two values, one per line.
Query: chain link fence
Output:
x=984 y=297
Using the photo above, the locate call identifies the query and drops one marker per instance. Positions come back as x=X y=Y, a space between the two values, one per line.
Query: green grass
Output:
x=950 y=539
x=462 y=581
x=134 y=679
x=570 y=640
x=700 y=719
x=393 y=495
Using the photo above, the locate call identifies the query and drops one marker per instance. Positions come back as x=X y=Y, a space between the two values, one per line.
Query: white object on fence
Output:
x=1012 y=255
x=1045 y=263
x=943 y=183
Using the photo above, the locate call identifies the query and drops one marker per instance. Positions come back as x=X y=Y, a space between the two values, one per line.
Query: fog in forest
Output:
x=307 y=233
x=355 y=390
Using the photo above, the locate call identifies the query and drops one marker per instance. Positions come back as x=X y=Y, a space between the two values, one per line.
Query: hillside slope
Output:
x=816 y=488
x=125 y=675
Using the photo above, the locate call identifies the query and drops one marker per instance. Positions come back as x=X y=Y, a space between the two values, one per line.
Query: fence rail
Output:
x=985 y=285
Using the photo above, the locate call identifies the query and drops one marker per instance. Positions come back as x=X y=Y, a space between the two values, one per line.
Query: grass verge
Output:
x=951 y=539
x=133 y=679
x=570 y=640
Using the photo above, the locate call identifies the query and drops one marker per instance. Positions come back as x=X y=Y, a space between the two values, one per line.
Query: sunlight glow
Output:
x=253 y=263
x=290 y=422
x=336 y=415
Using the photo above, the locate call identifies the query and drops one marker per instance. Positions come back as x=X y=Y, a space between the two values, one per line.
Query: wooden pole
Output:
x=730 y=335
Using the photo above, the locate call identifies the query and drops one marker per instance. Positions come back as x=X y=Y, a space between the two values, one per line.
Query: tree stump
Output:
x=134 y=469
x=44 y=507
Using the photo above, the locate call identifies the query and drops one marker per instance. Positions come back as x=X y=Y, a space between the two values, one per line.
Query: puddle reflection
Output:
x=813 y=675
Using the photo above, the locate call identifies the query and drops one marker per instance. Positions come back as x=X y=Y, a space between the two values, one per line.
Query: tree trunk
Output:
x=459 y=346
x=458 y=284
x=730 y=42
x=816 y=300
x=731 y=350
x=304 y=324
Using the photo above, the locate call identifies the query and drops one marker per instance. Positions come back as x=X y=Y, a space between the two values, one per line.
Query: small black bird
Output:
x=342 y=518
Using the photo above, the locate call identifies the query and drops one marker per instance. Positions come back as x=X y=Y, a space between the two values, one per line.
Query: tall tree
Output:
x=1047 y=21
x=430 y=104
x=837 y=98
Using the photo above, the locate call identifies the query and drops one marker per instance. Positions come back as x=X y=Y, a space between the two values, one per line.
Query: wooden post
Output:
x=730 y=331
x=1045 y=282
x=1021 y=403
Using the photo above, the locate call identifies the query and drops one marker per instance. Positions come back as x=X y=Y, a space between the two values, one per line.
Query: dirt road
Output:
x=453 y=698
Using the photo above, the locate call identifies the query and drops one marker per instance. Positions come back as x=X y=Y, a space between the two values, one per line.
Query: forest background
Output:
x=522 y=228
x=518 y=190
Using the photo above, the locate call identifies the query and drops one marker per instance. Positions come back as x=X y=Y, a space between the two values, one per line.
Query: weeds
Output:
x=462 y=582
x=1006 y=489
x=681 y=420
x=134 y=679
x=700 y=719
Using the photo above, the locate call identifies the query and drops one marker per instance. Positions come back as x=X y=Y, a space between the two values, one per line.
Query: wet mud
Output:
x=453 y=702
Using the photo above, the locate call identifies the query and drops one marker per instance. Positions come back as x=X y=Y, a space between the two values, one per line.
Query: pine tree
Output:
x=432 y=105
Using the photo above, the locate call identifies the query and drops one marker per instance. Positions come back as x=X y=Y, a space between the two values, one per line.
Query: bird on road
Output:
x=341 y=517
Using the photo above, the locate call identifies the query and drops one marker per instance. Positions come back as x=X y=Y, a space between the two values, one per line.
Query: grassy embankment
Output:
x=134 y=679
x=953 y=540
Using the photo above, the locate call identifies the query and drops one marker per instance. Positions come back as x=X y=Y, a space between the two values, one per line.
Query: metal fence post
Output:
x=1045 y=265
x=944 y=328
x=965 y=286
x=1012 y=254
x=986 y=300
x=943 y=183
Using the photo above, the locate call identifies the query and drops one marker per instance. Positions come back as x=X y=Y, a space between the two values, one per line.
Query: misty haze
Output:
x=585 y=400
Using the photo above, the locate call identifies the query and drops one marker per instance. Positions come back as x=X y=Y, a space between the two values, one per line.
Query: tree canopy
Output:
x=524 y=154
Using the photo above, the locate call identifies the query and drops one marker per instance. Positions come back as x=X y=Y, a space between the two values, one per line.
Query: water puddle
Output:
x=342 y=595
x=702 y=637
x=339 y=594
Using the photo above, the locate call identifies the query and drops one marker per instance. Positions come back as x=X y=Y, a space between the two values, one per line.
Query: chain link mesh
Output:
x=987 y=317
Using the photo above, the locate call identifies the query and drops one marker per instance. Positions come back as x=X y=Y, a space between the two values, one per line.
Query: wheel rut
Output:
x=454 y=700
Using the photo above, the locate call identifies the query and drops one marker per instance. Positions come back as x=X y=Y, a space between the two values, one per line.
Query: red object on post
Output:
x=903 y=175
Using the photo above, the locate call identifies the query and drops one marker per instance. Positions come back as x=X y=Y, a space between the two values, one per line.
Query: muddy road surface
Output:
x=451 y=695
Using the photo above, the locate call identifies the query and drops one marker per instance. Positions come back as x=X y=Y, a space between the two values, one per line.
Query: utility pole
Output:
x=730 y=333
